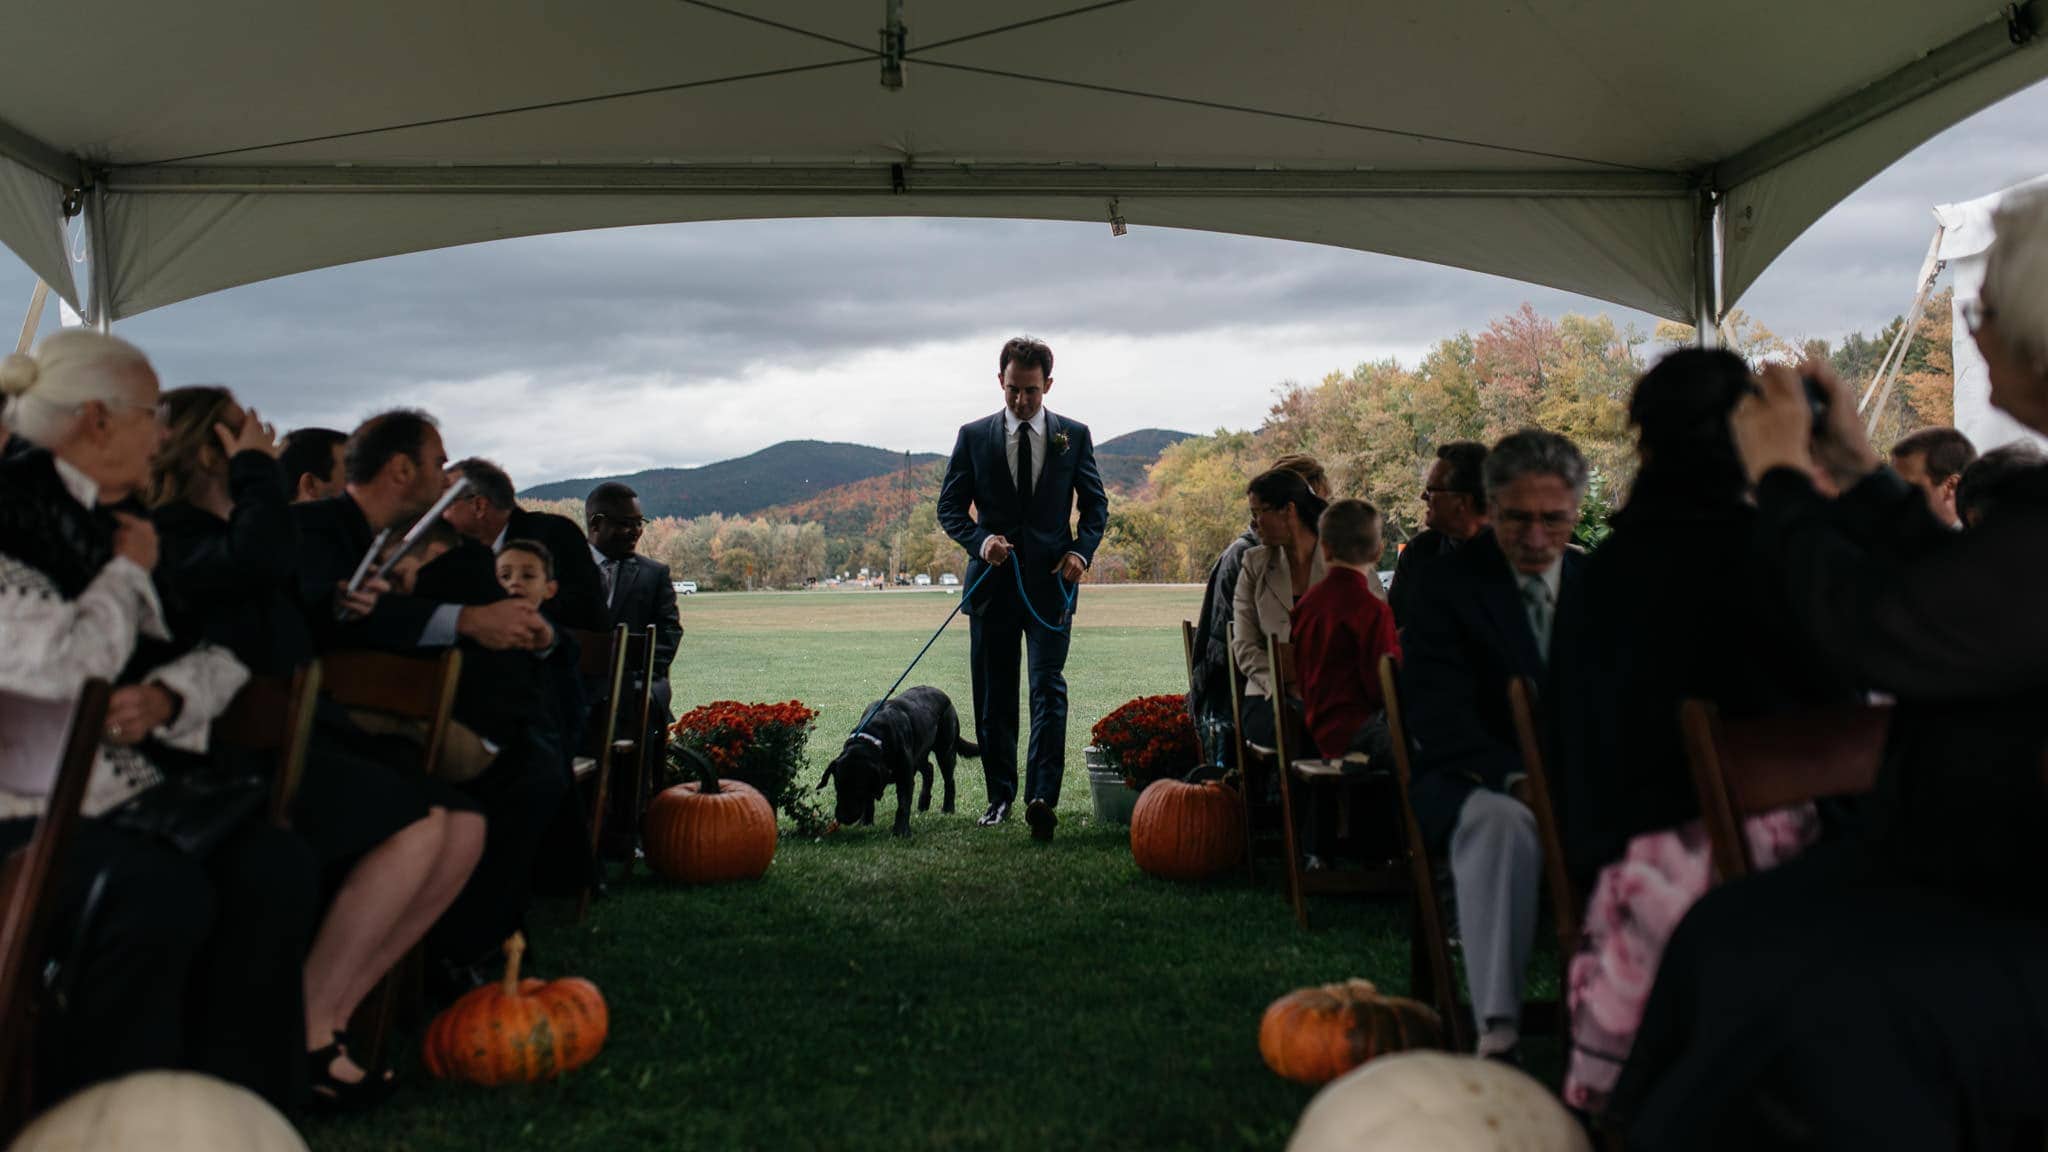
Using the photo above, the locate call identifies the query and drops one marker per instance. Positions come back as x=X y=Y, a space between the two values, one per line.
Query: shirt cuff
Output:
x=984 y=546
x=440 y=630
x=1083 y=559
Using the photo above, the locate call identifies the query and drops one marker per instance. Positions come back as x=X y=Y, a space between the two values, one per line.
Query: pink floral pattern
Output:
x=1636 y=904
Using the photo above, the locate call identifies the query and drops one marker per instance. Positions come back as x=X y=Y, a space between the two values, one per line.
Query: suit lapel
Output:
x=999 y=464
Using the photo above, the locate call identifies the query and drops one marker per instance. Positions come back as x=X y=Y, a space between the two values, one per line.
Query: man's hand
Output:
x=363 y=600
x=1070 y=568
x=135 y=539
x=1773 y=427
x=508 y=624
x=253 y=436
x=996 y=549
x=137 y=710
x=1839 y=443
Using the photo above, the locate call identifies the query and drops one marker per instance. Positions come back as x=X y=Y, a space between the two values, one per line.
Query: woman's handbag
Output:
x=193 y=811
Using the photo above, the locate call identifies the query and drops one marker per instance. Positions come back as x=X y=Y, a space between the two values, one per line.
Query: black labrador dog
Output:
x=897 y=737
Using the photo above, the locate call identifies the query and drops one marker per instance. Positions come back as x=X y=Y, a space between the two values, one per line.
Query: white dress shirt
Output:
x=1038 y=446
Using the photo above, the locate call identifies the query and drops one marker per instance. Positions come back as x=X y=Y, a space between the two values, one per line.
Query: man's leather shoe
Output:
x=996 y=814
x=1042 y=819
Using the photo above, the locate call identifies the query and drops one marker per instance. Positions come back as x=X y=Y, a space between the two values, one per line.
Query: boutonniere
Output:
x=1059 y=443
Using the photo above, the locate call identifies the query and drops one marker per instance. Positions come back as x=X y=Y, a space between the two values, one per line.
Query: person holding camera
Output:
x=1886 y=989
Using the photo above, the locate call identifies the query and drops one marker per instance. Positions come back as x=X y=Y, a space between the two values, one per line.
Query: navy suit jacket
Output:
x=1467 y=635
x=979 y=475
x=646 y=595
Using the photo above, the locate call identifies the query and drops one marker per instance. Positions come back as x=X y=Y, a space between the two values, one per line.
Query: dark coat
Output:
x=644 y=594
x=1425 y=547
x=1468 y=636
x=579 y=595
x=333 y=535
x=979 y=475
x=1209 y=693
x=500 y=694
x=235 y=582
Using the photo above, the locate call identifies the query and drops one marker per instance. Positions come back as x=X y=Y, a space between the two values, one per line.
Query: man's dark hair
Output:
x=1349 y=529
x=1986 y=481
x=399 y=432
x=1680 y=410
x=1946 y=451
x=1279 y=487
x=488 y=481
x=533 y=548
x=609 y=494
x=1467 y=460
x=1027 y=352
x=309 y=451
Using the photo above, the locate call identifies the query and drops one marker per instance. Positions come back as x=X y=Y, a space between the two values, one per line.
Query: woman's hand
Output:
x=1773 y=425
x=137 y=710
x=1840 y=443
x=253 y=436
x=135 y=540
x=363 y=600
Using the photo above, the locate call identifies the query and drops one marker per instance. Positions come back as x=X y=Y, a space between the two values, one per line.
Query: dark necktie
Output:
x=1024 y=466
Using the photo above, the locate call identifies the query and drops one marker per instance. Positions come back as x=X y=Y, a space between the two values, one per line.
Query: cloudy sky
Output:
x=684 y=344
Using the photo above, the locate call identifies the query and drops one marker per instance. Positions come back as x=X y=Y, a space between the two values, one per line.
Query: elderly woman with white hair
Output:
x=1889 y=989
x=178 y=950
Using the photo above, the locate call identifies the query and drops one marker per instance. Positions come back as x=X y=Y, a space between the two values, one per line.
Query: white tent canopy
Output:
x=1962 y=235
x=1624 y=150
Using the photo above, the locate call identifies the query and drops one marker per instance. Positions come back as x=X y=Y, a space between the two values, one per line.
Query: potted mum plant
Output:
x=1146 y=739
x=757 y=744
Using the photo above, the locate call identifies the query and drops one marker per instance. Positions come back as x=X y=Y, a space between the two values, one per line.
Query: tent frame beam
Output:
x=2019 y=26
x=40 y=157
x=884 y=179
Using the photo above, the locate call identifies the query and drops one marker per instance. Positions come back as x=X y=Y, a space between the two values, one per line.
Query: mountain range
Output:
x=799 y=477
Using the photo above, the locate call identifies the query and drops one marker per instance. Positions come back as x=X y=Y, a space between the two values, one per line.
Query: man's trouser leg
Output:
x=1496 y=862
x=1046 y=762
x=995 y=641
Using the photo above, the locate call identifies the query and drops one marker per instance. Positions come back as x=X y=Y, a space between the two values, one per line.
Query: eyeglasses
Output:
x=1429 y=494
x=1976 y=313
x=1554 y=521
x=623 y=521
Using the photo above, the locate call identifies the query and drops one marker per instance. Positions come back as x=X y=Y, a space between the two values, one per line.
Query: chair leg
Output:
x=1251 y=863
x=1292 y=849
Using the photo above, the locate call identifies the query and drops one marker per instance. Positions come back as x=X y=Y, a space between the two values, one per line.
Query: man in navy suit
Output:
x=1009 y=498
x=1505 y=604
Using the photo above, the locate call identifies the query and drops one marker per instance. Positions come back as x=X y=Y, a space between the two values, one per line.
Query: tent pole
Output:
x=1706 y=271
x=101 y=313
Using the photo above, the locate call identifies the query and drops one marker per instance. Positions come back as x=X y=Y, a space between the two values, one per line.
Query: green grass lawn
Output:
x=965 y=989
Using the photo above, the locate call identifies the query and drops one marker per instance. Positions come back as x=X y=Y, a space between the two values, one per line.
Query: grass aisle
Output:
x=966 y=989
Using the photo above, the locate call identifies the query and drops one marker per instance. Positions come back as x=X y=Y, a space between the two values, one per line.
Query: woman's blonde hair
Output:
x=68 y=370
x=191 y=450
x=2016 y=272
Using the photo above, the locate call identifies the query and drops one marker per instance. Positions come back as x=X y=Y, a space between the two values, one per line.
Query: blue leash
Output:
x=1067 y=593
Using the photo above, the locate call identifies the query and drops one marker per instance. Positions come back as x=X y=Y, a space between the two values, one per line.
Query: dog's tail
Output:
x=966 y=747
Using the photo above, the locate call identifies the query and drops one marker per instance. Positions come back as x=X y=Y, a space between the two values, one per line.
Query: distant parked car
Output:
x=685 y=587
x=948 y=578
x=923 y=579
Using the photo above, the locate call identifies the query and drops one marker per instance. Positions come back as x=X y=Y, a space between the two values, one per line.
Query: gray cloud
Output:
x=660 y=316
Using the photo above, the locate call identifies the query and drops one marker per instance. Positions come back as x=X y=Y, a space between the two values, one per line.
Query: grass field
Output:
x=966 y=989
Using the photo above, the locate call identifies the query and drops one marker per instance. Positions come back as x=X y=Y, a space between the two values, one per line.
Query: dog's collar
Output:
x=875 y=740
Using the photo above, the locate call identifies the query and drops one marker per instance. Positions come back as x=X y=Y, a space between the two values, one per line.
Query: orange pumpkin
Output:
x=517 y=1031
x=1183 y=831
x=705 y=831
x=1314 y=1035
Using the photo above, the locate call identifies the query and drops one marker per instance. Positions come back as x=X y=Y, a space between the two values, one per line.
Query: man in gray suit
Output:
x=637 y=592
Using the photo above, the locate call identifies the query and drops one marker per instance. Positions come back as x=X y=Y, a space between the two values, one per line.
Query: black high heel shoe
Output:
x=328 y=1093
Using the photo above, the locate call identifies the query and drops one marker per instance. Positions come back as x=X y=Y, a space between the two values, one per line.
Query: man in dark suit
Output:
x=1503 y=605
x=490 y=515
x=1453 y=511
x=1009 y=498
x=637 y=592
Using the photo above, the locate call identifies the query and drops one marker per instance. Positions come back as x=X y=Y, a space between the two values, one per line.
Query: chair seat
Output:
x=583 y=767
x=1260 y=750
x=1352 y=764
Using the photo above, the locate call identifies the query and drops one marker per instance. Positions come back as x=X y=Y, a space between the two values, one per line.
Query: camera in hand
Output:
x=1816 y=399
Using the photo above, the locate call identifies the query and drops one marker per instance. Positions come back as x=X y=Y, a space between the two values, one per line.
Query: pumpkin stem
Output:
x=515 y=947
x=707 y=772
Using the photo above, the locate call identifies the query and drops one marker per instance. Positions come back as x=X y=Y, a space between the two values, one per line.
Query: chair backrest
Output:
x=1290 y=731
x=28 y=877
x=1237 y=714
x=1745 y=767
x=1564 y=899
x=273 y=716
x=1187 y=648
x=1433 y=964
x=418 y=688
x=602 y=657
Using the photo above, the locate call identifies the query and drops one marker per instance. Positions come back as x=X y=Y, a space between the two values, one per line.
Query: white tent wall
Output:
x=1966 y=234
x=32 y=225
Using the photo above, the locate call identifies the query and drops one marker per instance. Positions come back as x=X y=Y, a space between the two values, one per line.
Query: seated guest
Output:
x=311 y=459
x=638 y=592
x=1886 y=989
x=434 y=542
x=176 y=960
x=1285 y=565
x=1502 y=605
x=1666 y=618
x=526 y=570
x=1933 y=460
x=1453 y=511
x=396 y=847
x=490 y=515
x=1986 y=480
x=1340 y=632
x=1209 y=691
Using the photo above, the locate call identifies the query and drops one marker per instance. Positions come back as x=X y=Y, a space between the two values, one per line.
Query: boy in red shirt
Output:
x=1340 y=631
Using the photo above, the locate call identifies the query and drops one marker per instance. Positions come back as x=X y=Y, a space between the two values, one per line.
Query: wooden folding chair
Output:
x=273 y=716
x=1253 y=763
x=419 y=688
x=1432 y=980
x=1309 y=772
x=1743 y=768
x=1187 y=648
x=602 y=657
x=640 y=708
x=28 y=877
x=1564 y=898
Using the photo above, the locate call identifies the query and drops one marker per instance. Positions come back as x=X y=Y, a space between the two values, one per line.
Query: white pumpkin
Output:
x=161 y=1112
x=1435 y=1102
